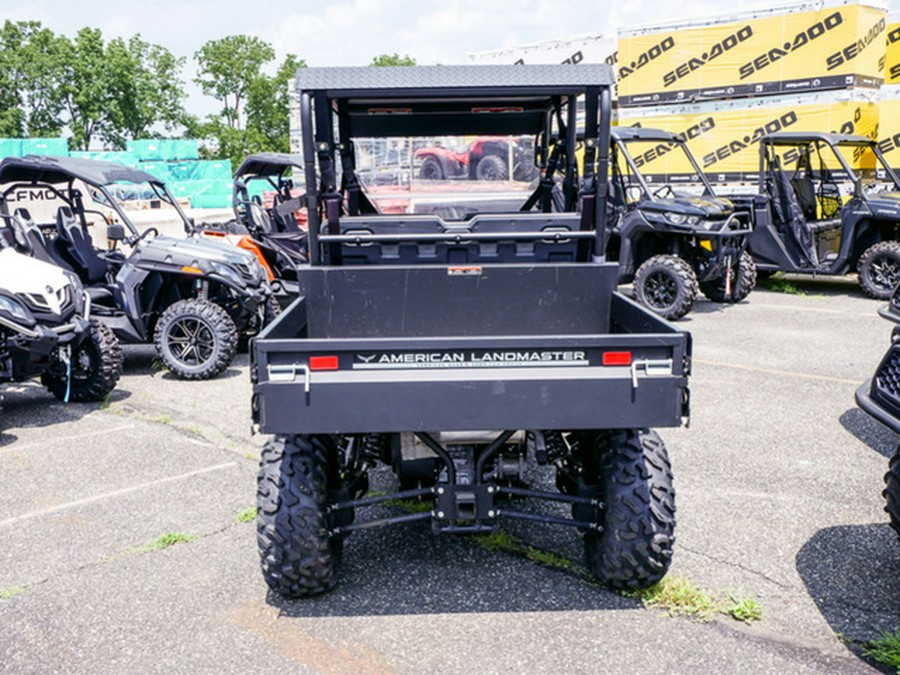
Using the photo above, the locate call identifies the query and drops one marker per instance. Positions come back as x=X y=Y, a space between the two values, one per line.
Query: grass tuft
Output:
x=679 y=596
x=885 y=649
x=501 y=540
x=782 y=286
x=165 y=541
x=247 y=515
x=743 y=609
x=7 y=593
x=163 y=419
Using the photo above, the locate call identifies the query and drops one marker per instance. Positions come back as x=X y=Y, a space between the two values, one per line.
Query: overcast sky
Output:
x=351 y=32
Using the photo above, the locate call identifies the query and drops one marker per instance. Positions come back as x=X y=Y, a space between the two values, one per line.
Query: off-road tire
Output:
x=431 y=169
x=491 y=167
x=96 y=367
x=743 y=280
x=892 y=491
x=634 y=548
x=879 y=269
x=297 y=554
x=666 y=285
x=212 y=328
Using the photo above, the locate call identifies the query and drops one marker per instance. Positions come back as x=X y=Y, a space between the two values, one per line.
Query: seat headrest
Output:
x=22 y=213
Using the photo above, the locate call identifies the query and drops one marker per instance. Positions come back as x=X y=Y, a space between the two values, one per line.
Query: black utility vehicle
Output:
x=460 y=352
x=673 y=242
x=880 y=397
x=193 y=297
x=46 y=330
x=816 y=214
x=275 y=235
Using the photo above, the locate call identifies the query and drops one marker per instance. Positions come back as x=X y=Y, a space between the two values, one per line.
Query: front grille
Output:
x=887 y=379
x=39 y=305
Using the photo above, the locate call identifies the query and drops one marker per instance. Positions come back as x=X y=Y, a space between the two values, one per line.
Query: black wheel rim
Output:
x=191 y=341
x=660 y=290
x=885 y=271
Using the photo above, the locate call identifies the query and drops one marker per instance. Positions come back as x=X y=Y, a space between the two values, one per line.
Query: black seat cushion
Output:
x=77 y=243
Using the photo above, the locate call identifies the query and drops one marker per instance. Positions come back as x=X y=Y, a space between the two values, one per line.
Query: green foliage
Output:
x=31 y=60
x=268 y=103
x=254 y=115
x=247 y=515
x=885 y=649
x=165 y=541
x=393 y=60
x=228 y=67
x=7 y=593
x=97 y=90
x=779 y=285
x=744 y=609
x=679 y=596
x=501 y=540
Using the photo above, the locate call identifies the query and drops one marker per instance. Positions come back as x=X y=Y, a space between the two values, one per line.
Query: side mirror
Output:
x=115 y=232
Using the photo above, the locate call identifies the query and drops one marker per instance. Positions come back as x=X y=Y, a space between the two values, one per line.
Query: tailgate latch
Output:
x=288 y=373
x=652 y=368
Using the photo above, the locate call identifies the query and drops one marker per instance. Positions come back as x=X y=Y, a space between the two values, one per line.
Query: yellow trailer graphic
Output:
x=892 y=53
x=766 y=53
x=725 y=138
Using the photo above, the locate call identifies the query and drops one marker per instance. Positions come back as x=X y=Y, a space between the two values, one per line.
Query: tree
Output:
x=393 y=60
x=86 y=86
x=146 y=88
x=228 y=67
x=268 y=104
x=31 y=71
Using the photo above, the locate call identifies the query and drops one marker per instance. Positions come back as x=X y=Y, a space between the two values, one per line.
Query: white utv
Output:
x=46 y=331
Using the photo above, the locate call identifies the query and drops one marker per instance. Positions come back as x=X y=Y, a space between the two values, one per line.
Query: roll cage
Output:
x=340 y=104
x=60 y=174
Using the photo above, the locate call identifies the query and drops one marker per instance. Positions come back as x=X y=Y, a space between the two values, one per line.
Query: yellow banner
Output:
x=726 y=143
x=892 y=54
x=834 y=47
x=889 y=131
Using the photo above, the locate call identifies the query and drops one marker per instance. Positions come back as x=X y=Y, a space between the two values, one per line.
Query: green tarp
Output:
x=125 y=158
x=163 y=149
x=10 y=147
x=45 y=146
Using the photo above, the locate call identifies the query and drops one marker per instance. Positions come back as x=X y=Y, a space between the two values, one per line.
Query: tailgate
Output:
x=607 y=381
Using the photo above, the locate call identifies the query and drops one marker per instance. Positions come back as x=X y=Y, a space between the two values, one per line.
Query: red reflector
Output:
x=323 y=363
x=616 y=358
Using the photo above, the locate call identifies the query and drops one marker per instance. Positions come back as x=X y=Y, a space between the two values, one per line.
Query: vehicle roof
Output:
x=47 y=169
x=790 y=137
x=643 y=134
x=427 y=100
x=268 y=164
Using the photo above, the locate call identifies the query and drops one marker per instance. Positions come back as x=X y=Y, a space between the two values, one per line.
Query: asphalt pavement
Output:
x=778 y=480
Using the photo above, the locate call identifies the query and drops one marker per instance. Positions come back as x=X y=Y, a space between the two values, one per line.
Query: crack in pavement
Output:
x=762 y=575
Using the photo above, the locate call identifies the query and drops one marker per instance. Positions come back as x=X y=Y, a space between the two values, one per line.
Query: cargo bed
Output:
x=573 y=355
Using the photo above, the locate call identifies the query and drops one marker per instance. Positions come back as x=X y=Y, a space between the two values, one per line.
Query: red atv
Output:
x=485 y=158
